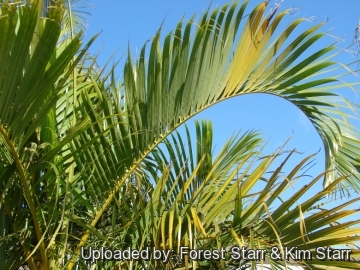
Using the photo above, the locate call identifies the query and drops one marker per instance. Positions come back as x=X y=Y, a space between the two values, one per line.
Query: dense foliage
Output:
x=89 y=161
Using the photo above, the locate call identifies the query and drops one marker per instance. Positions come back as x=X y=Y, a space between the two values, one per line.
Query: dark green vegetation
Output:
x=80 y=159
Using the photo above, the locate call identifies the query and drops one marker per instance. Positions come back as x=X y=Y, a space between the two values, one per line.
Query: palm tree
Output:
x=82 y=163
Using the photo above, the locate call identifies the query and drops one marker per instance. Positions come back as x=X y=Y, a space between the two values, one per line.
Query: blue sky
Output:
x=125 y=22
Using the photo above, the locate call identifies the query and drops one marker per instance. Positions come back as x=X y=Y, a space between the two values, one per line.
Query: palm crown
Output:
x=82 y=161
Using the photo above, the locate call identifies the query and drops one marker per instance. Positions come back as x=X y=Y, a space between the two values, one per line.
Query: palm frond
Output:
x=236 y=203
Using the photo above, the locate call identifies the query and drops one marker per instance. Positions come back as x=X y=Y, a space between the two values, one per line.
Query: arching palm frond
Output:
x=199 y=66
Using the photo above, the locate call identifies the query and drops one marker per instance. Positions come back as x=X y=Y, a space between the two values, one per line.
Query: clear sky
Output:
x=133 y=22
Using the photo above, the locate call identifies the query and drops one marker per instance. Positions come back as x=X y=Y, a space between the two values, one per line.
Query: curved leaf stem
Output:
x=28 y=195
